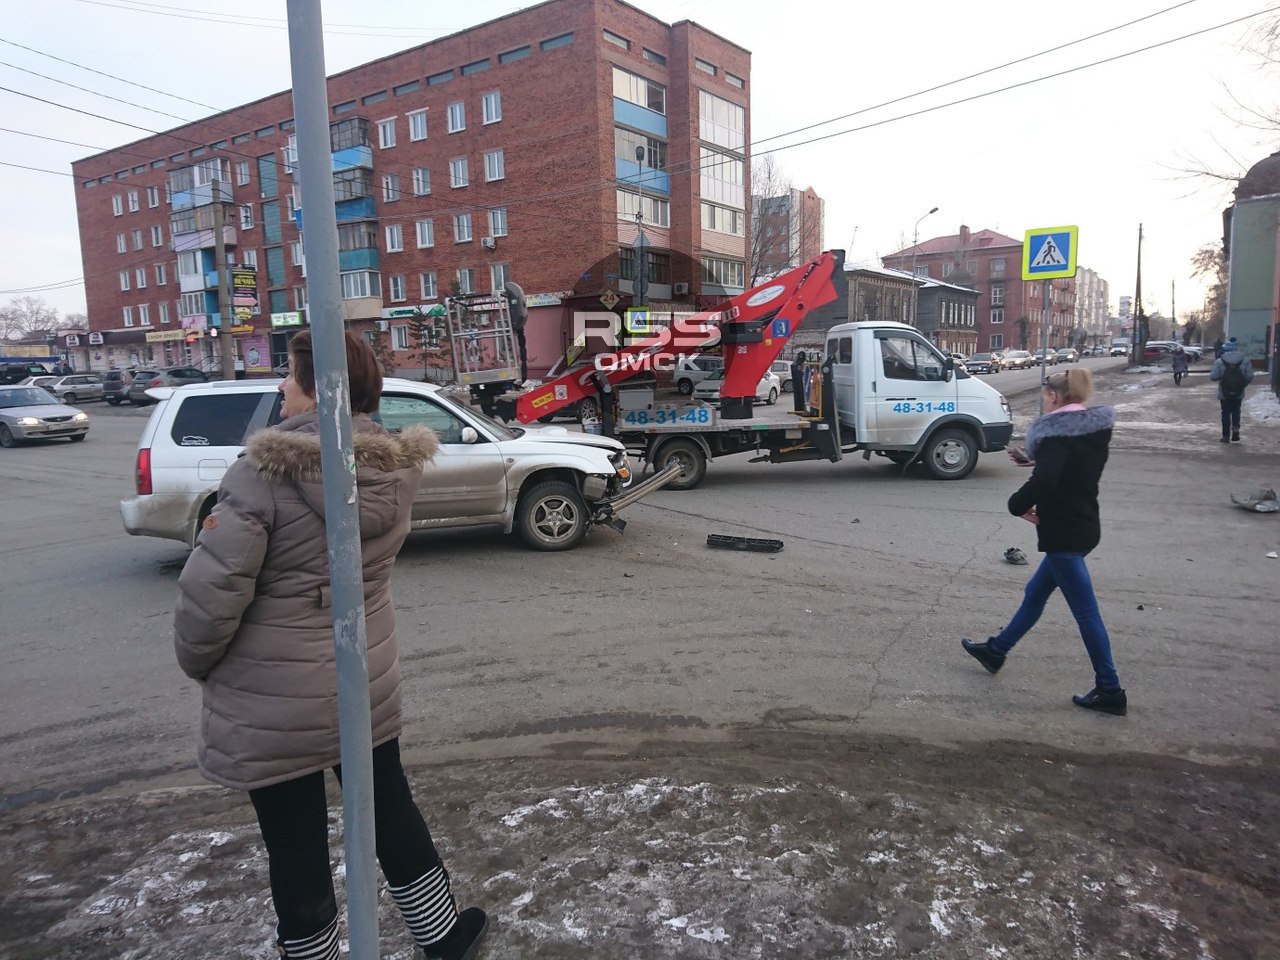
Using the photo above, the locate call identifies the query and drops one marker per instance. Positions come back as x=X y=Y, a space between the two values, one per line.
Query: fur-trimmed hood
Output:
x=294 y=454
x=1070 y=423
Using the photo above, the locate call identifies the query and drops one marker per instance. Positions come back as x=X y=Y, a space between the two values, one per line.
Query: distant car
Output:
x=960 y=359
x=983 y=363
x=1048 y=357
x=768 y=389
x=144 y=380
x=1017 y=360
x=782 y=369
x=691 y=371
x=1120 y=349
x=115 y=386
x=11 y=373
x=1068 y=355
x=1097 y=350
x=43 y=382
x=76 y=387
x=32 y=413
x=1168 y=346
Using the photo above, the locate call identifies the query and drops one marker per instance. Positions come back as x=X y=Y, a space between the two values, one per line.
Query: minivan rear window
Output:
x=220 y=420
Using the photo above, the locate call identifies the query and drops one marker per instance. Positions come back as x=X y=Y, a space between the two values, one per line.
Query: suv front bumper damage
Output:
x=606 y=511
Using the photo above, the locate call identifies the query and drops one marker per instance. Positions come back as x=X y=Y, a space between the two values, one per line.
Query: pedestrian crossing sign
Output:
x=1049 y=253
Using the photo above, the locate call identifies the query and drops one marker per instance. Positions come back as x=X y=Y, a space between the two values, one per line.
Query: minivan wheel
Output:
x=552 y=516
x=950 y=454
x=685 y=387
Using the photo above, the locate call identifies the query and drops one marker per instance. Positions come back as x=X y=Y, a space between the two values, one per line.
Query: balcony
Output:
x=362 y=259
x=353 y=158
x=650 y=179
x=203 y=195
x=201 y=239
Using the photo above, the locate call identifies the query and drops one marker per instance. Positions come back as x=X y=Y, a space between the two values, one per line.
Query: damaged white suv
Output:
x=548 y=483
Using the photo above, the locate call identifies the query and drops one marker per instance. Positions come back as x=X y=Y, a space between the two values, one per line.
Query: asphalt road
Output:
x=855 y=623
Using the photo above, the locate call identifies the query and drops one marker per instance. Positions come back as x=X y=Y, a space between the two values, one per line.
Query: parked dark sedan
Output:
x=983 y=363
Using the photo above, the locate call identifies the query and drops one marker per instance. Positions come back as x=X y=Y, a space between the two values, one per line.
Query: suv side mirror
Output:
x=469 y=435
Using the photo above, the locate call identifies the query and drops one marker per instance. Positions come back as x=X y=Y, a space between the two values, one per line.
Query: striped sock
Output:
x=320 y=946
x=428 y=907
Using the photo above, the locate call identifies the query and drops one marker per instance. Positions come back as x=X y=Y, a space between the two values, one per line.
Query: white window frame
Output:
x=122 y=243
x=495 y=165
x=396 y=288
x=140 y=278
x=137 y=239
x=144 y=315
x=189 y=258
x=157 y=235
x=395 y=238
x=462 y=228
x=296 y=254
x=127 y=313
x=249 y=258
x=246 y=216
x=387 y=133
x=242 y=173
x=125 y=281
x=997 y=341
x=153 y=197
x=417 y=124
x=459 y=173
x=400 y=337
x=457 y=121
x=133 y=201
x=498 y=222
x=361 y=284
x=491 y=107
x=997 y=316
x=162 y=274
x=469 y=274
x=390 y=187
x=421 y=181
x=427 y=283
x=499 y=274
x=163 y=309
x=117 y=205
x=424 y=232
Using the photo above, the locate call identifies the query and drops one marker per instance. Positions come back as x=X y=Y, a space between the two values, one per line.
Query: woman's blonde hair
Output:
x=1073 y=386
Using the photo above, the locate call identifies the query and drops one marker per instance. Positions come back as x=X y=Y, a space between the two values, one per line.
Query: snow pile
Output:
x=1262 y=404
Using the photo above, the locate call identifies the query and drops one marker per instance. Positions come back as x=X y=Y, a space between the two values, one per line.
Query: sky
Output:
x=1102 y=147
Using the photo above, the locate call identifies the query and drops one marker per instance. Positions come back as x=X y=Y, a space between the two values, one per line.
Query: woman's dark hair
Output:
x=363 y=372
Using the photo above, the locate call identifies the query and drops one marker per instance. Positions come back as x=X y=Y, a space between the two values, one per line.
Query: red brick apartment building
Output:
x=1009 y=309
x=786 y=230
x=505 y=152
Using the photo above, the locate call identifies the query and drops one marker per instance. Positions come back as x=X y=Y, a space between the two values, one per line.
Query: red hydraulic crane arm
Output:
x=754 y=326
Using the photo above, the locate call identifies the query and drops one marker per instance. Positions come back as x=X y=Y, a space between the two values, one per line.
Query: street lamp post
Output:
x=915 y=242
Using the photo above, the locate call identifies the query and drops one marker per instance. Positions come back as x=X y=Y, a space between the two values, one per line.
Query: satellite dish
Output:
x=515 y=297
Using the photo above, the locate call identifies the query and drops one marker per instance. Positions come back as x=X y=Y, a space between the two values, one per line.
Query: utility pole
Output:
x=224 y=293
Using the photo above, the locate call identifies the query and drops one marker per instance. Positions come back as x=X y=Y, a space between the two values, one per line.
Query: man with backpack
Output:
x=1233 y=372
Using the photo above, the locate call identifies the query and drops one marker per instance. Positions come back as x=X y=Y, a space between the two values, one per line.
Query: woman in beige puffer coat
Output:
x=253 y=625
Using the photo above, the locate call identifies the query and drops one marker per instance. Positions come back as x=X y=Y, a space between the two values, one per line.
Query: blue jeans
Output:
x=1065 y=571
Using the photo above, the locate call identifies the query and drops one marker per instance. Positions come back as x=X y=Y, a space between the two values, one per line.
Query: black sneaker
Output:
x=462 y=942
x=1225 y=440
x=983 y=653
x=1104 y=701
x=1235 y=436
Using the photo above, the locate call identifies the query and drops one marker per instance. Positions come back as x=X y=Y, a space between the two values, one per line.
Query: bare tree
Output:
x=24 y=316
x=79 y=321
x=1210 y=262
x=778 y=230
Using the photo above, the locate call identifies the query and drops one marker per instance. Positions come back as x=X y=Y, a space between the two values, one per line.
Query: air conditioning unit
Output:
x=489 y=243
x=680 y=289
x=384 y=325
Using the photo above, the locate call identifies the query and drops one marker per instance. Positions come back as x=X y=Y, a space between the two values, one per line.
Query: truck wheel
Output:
x=685 y=387
x=690 y=457
x=950 y=454
x=552 y=516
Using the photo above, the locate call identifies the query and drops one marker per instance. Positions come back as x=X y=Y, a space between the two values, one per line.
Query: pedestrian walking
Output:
x=1066 y=448
x=1217 y=347
x=253 y=625
x=1179 y=363
x=1233 y=373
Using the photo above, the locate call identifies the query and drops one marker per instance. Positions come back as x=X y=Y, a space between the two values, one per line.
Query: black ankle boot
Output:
x=1113 y=702
x=983 y=653
x=462 y=942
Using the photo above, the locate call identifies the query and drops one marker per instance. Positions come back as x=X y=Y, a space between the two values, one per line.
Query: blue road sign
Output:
x=1049 y=253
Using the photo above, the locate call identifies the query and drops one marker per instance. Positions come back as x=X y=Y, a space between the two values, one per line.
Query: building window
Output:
x=144 y=314
x=495 y=165
x=137 y=239
x=511 y=56
x=638 y=90
x=163 y=309
x=997 y=266
x=124 y=280
x=386 y=133
x=457 y=117
x=242 y=173
x=499 y=274
x=426 y=233
x=721 y=121
x=616 y=40
x=157 y=236
x=395 y=238
x=704 y=66
x=128 y=316
x=162 y=274
x=153 y=197
x=191 y=304
x=997 y=341
x=498 y=222
x=428 y=282
x=458 y=174
x=421 y=181
x=657 y=212
x=246 y=216
x=561 y=41
x=971 y=267
x=249 y=258
x=722 y=178
x=491 y=107
x=400 y=337
x=724 y=220
x=299 y=298
x=117 y=205
x=358 y=284
x=444 y=76
x=396 y=285
x=654 y=57
x=997 y=294
x=189 y=264
x=390 y=186
x=921 y=270
x=733 y=81
x=133 y=201
x=948 y=269
x=373 y=98
x=725 y=273
x=476 y=66
x=627 y=142
x=997 y=315
x=462 y=228
x=413 y=86
x=140 y=278
x=466 y=280
x=296 y=254
x=122 y=243
x=418 y=125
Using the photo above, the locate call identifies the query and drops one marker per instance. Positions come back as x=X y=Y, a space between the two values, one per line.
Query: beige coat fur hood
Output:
x=253 y=621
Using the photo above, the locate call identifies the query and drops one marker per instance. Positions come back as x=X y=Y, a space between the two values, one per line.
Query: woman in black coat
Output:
x=1067 y=448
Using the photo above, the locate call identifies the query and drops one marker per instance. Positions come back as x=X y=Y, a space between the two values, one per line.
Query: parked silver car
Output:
x=31 y=413
x=767 y=390
x=144 y=380
x=76 y=387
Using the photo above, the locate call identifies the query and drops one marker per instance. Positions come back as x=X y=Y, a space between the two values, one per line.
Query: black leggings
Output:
x=294 y=819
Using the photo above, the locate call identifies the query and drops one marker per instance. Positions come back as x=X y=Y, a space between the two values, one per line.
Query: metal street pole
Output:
x=915 y=242
x=338 y=469
x=1044 y=338
x=224 y=298
x=640 y=287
